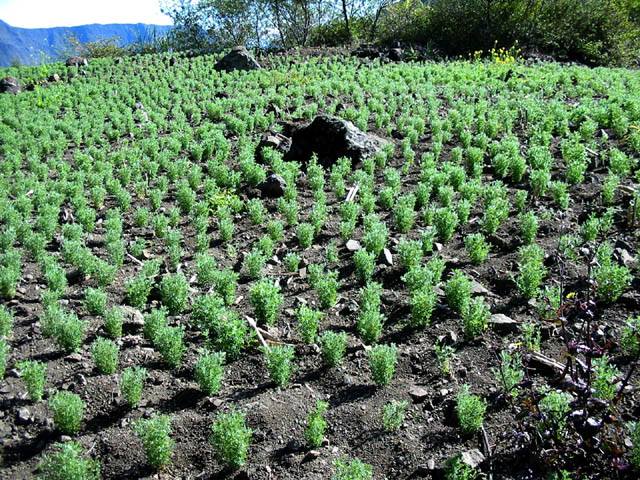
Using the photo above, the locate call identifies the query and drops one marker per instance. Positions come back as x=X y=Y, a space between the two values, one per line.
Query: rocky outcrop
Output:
x=76 y=62
x=239 y=58
x=10 y=85
x=331 y=138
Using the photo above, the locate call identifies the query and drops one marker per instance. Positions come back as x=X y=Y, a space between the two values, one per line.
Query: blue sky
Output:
x=67 y=13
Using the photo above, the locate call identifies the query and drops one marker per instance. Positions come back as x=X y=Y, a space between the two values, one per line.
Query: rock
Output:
x=273 y=186
x=387 y=256
x=133 y=316
x=331 y=138
x=353 y=245
x=23 y=417
x=53 y=78
x=311 y=455
x=10 y=85
x=73 y=357
x=626 y=258
x=239 y=58
x=473 y=457
x=418 y=394
x=277 y=141
x=478 y=288
x=396 y=54
x=500 y=319
x=76 y=62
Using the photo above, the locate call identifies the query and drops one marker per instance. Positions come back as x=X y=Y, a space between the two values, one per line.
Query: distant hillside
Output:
x=28 y=44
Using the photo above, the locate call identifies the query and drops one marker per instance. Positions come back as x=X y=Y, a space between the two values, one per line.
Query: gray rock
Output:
x=502 y=319
x=331 y=138
x=276 y=141
x=239 y=58
x=353 y=245
x=273 y=186
x=76 y=62
x=418 y=394
x=23 y=417
x=10 y=85
x=473 y=457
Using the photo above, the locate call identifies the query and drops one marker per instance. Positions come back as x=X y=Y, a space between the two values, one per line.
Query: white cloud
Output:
x=67 y=13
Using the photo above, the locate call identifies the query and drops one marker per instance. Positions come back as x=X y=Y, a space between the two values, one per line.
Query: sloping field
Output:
x=466 y=285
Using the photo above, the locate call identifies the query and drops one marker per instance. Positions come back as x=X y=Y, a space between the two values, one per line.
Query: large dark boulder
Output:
x=273 y=186
x=10 y=85
x=239 y=58
x=76 y=62
x=331 y=138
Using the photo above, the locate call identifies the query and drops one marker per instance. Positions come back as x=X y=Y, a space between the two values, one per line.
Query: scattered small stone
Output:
x=353 y=245
x=387 y=256
x=311 y=455
x=478 y=288
x=473 y=457
x=23 y=416
x=418 y=394
x=73 y=357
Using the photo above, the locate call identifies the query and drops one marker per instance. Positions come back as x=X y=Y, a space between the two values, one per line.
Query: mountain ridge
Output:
x=28 y=45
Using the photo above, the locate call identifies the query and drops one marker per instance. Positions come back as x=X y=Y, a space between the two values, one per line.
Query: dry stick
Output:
x=487 y=448
x=253 y=325
x=134 y=259
x=352 y=193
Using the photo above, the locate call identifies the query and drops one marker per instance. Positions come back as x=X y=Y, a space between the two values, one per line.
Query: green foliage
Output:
x=155 y=435
x=477 y=248
x=382 y=361
x=69 y=332
x=68 y=410
x=531 y=270
x=308 y=323
x=131 y=384
x=231 y=438
x=266 y=299
x=154 y=321
x=365 y=264
x=612 y=280
x=423 y=302
x=369 y=325
x=444 y=355
x=393 y=415
x=456 y=469
x=4 y=354
x=333 y=347
x=67 y=462
x=6 y=321
x=326 y=287
x=630 y=337
x=209 y=371
x=34 y=375
x=280 y=363
x=446 y=222
x=509 y=374
x=475 y=318
x=634 y=430
x=292 y=262
x=528 y=227
x=105 y=355
x=113 y=320
x=605 y=376
x=351 y=469
x=95 y=300
x=169 y=341
x=470 y=410
x=554 y=408
x=316 y=425
x=174 y=290
x=458 y=291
